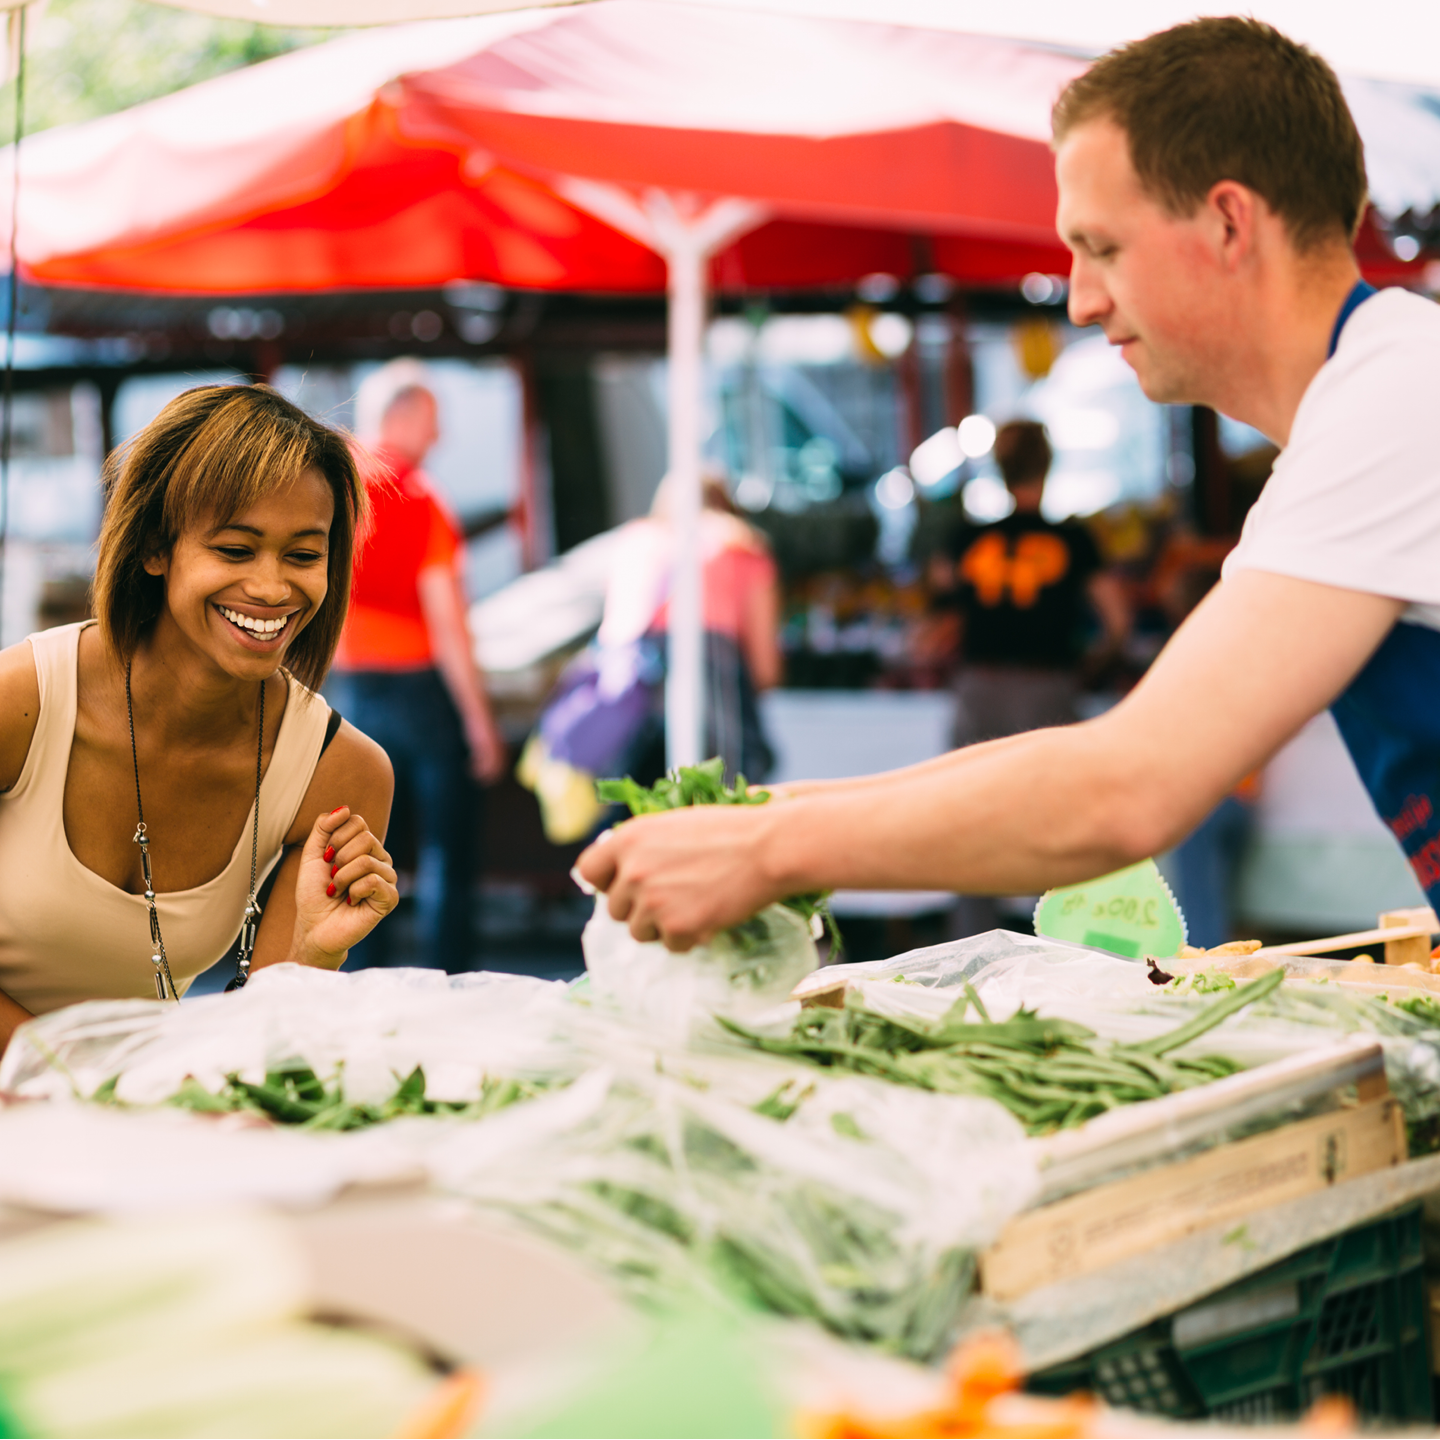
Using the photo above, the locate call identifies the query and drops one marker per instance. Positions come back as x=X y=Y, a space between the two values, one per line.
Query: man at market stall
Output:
x=1211 y=180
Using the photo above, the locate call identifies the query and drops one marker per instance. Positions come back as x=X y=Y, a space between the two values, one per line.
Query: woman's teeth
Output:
x=254 y=626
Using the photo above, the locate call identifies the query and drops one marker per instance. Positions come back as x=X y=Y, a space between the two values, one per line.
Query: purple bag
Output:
x=603 y=698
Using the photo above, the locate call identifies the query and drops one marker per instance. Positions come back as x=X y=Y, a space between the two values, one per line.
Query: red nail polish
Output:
x=330 y=889
x=333 y=870
x=329 y=853
x=337 y=809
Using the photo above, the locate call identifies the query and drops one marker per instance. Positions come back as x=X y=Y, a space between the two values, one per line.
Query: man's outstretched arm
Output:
x=1256 y=660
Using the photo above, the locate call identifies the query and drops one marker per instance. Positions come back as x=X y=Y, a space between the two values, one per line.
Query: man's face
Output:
x=1150 y=280
x=411 y=425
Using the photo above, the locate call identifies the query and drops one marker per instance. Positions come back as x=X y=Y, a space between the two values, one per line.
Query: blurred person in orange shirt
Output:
x=405 y=672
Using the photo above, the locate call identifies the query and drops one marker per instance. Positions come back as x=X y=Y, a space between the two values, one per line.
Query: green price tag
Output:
x=1131 y=912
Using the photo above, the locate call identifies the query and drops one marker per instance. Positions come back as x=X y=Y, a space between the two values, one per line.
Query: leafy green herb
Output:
x=704 y=784
x=1201 y=982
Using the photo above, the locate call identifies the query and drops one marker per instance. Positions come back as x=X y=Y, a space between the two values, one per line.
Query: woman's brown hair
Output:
x=214 y=452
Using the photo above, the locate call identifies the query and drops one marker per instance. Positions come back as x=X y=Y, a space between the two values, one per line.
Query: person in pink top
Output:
x=606 y=715
x=742 y=618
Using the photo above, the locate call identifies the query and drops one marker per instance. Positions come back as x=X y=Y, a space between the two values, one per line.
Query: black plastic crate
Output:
x=1345 y=1317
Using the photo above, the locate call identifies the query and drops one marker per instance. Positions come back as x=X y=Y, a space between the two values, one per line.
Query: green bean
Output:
x=1212 y=1015
x=274 y=1101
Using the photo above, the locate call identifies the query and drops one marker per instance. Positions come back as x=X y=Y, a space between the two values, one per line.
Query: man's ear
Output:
x=1234 y=206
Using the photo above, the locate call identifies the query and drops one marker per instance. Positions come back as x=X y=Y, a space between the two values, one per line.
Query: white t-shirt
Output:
x=1354 y=499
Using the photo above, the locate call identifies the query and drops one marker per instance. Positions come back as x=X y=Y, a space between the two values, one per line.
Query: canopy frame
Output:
x=687 y=231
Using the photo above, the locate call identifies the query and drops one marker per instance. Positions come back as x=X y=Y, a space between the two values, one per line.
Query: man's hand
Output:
x=489 y=756
x=684 y=876
x=346 y=885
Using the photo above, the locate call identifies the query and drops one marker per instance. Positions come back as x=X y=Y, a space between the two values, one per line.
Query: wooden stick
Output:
x=1344 y=942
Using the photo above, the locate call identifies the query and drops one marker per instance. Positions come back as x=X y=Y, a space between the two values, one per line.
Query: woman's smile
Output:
x=257 y=632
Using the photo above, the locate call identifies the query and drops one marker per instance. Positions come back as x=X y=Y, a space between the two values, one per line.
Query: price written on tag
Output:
x=1131 y=912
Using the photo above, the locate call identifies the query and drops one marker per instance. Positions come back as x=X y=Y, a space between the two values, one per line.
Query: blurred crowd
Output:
x=1028 y=621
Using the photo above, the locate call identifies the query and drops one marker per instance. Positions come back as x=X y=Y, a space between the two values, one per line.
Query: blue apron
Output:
x=1389 y=717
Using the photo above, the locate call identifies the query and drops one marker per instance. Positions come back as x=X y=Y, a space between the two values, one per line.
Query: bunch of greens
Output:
x=704 y=784
x=1050 y=1074
x=299 y=1097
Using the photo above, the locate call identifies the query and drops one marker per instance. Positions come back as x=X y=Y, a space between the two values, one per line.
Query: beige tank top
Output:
x=68 y=935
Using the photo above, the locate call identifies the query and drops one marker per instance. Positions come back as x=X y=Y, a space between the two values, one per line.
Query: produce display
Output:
x=300 y=1097
x=1051 y=1074
x=690 y=1131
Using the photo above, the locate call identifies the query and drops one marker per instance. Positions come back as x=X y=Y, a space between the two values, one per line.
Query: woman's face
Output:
x=241 y=590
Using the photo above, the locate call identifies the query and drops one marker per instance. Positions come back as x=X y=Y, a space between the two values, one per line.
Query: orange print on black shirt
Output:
x=1036 y=561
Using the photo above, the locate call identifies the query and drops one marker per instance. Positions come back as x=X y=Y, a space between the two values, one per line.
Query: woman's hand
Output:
x=683 y=876
x=345 y=886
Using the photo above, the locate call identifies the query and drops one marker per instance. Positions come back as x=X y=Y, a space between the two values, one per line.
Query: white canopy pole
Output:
x=685 y=637
x=688 y=233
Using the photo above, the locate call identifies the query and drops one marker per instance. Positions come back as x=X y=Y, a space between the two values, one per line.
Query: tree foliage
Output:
x=90 y=57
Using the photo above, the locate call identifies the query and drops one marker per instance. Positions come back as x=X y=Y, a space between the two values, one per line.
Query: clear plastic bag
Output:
x=864 y=1209
x=674 y=997
x=1321 y=1002
x=374 y=1027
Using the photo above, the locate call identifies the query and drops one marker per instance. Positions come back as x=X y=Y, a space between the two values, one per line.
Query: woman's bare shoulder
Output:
x=19 y=710
x=353 y=771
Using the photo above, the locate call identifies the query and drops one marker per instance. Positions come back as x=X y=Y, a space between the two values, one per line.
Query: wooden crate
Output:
x=1111 y=1221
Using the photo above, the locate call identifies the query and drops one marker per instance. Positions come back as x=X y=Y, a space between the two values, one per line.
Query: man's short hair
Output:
x=1230 y=99
x=1022 y=451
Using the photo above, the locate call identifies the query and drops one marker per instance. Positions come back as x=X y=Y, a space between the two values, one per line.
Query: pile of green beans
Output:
x=1050 y=1074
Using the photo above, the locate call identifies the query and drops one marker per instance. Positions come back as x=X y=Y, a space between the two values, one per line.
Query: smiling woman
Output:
x=157 y=762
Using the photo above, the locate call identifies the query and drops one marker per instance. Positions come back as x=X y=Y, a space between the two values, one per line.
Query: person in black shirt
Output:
x=1027 y=591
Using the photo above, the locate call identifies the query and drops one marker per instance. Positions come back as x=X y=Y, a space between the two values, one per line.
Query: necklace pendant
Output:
x=160 y=985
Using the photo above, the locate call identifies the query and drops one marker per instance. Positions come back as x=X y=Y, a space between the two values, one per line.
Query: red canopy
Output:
x=424 y=153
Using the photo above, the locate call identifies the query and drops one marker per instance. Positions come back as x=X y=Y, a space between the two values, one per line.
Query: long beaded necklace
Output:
x=164 y=981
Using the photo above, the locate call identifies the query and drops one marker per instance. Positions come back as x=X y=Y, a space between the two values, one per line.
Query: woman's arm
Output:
x=760 y=635
x=19 y=710
x=19 y=714
x=12 y=1017
x=335 y=843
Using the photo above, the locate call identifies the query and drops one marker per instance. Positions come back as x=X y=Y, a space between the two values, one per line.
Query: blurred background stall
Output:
x=885 y=291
